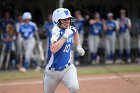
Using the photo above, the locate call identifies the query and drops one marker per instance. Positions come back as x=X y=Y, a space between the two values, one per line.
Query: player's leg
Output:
x=29 y=54
x=70 y=79
x=50 y=82
x=113 y=44
x=19 y=51
x=121 y=47
x=95 y=48
x=28 y=47
x=91 y=47
x=108 y=49
x=127 y=46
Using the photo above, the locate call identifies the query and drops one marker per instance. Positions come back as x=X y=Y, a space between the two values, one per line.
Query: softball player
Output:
x=28 y=31
x=79 y=25
x=110 y=38
x=124 y=35
x=60 y=67
x=96 y=29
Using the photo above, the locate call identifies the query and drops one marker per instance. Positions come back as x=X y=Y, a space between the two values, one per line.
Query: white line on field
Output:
x=80 y=79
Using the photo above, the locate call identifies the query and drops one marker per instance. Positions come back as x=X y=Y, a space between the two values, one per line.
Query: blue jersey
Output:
x=123 y=26
x=79 y=25
x=63 y=56
x=111 y=27
x=48 y=27
x=28 y=30
x=96 y=28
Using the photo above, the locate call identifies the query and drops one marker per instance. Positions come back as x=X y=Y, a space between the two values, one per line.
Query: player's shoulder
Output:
x=55 y=30
x=72 y=27
x=22 y=24
x=114 y=21
x=32 y=23
x=127 y=18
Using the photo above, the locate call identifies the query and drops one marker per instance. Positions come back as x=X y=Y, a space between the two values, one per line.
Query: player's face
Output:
x=97 y=16
x=123 y=14
x=27 y=20
x=110 y=17
x=65 y=23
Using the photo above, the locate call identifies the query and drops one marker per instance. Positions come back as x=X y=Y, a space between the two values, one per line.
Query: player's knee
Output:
x=74 y=88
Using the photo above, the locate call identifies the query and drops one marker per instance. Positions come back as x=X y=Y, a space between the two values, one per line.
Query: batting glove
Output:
x=80 y=50
x=67 y=33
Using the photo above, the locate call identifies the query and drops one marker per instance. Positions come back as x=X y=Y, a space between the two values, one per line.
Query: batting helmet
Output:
x=26 y=15
x=60 y=13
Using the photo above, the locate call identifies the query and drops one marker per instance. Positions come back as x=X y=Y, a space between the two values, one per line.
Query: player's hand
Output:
x=80 y=50
x=68 y=32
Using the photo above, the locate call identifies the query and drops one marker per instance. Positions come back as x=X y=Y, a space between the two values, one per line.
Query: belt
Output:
x=60 y=68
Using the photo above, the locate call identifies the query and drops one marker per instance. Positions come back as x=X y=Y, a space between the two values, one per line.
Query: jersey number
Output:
x=67 y=48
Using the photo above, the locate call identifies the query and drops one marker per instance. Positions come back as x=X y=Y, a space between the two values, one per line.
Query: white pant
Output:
x=20 y=45
x=53 y=78
x=110 y=41
x=29 y=46
x=124 y=40
x=93 y=43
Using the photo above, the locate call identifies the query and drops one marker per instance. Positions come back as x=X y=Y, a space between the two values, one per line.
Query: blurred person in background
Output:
x=19 y=42
x=8 y=43
x=96 y=28
x=79 y=25
x=6 y=20
x=48 y=29
x=138 y=33
x=110 y=38
x=124 y=36
x=0 y=32
x=7 y=23
x=28 y=31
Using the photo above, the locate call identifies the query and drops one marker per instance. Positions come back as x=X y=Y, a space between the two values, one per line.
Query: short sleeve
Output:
x=129 y=22
x=36 y=28
x=55 y=35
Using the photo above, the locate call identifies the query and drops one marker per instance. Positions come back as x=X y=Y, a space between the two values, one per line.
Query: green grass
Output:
x=107 y=69
x=87 y=70
x=16 y=75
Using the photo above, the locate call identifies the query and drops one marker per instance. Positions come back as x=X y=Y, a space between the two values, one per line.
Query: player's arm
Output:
x=57 y=44
x=104 y=25
x=76 y=39
x=129 y=25
x=79 y=48
x=117 y=26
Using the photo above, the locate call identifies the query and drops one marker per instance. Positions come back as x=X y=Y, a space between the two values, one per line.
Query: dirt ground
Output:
x=125 y=83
